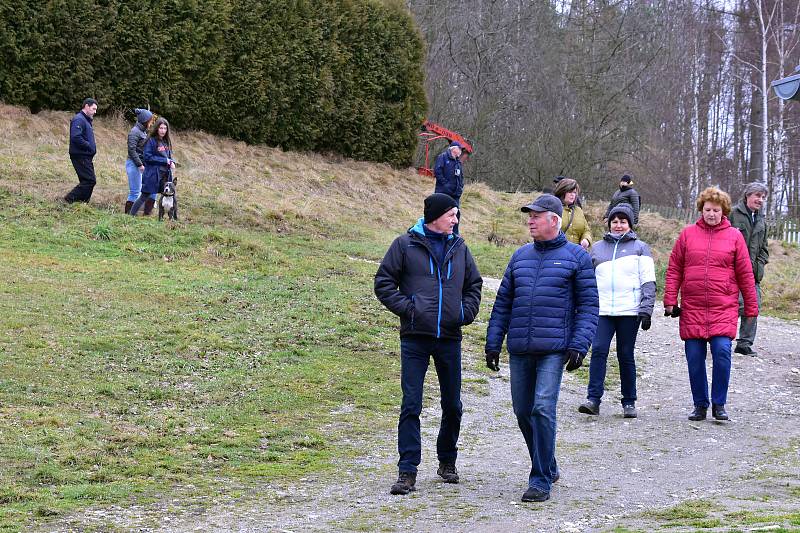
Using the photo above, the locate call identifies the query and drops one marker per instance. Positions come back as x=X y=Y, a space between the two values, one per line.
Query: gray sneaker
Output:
x=628 y=411
x=448 y=472
x=589 y=408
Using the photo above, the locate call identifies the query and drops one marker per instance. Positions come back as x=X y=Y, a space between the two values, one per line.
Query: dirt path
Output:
x=611 y=468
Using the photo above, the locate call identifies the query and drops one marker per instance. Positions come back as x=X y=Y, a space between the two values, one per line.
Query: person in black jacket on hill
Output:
x=429 y=279
x=626 y=195
x=82 y=150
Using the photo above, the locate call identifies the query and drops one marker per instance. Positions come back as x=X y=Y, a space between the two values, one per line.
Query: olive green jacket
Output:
x=579 y=229
x=754 y=230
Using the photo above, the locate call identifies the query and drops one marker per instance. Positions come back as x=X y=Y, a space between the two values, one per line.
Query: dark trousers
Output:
x=626 y=328
x=84 y=168
x=415 y=354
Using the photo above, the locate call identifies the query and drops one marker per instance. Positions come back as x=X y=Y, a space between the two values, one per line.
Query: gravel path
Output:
x=611 y=468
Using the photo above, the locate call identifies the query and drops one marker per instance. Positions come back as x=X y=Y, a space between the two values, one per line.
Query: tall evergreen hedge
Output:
x=344 y=76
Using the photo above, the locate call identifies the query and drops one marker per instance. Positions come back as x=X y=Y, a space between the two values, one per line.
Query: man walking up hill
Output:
x=82 y=150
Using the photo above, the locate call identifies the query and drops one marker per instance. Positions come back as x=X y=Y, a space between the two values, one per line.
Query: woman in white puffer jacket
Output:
x=626 y=284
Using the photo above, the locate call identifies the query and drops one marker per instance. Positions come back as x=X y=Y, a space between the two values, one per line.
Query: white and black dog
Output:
x=168 y=201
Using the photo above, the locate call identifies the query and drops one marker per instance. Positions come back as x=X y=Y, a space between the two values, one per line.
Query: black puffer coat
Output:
x=431 y=299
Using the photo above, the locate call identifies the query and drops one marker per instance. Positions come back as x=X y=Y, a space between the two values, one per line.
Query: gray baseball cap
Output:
x=545 y=202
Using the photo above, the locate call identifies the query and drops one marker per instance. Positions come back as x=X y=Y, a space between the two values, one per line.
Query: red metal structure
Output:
x=432 y=131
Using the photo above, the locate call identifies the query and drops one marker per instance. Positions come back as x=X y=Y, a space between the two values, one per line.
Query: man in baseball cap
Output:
x=546 y=310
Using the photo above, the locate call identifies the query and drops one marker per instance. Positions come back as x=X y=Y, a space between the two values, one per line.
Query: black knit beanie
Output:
x=436 y=205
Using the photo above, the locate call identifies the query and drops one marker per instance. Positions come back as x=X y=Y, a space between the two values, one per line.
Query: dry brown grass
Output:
x=230 y=183
x=227 y=182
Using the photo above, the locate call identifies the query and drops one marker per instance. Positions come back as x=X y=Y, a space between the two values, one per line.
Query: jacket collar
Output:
x=418 y=231
x=558 y=242
x=741 y=206
x=627 y=236
x=725 y=223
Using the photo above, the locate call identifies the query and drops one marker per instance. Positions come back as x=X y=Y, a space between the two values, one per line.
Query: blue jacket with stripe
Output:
x=547 y=301
x=432 y=298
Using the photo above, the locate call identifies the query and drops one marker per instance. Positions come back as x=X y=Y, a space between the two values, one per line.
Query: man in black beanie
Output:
x=429 y=279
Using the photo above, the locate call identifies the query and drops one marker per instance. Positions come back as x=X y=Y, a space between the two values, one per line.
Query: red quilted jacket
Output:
x=709 y=265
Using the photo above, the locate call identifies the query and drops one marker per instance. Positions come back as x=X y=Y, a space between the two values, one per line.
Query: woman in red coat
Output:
x=709 y=266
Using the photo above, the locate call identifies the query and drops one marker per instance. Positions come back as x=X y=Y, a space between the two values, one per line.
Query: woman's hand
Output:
x=585 y=244
x=668 y=310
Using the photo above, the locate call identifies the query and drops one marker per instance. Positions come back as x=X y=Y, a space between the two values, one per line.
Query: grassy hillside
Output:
x=241 y=345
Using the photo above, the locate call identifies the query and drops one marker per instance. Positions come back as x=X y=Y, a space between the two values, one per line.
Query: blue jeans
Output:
x=134 y=180
x=535 y=383
x=415 y=353
x=626 y=328
x=720 y=374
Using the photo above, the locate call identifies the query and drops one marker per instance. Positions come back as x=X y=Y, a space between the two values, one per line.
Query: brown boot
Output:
x=148 y=206
x=128 y=205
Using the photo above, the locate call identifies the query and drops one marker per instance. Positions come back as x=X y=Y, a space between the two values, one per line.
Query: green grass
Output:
x=136 y=356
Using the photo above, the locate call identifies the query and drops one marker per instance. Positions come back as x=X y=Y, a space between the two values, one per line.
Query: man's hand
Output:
x=585 y=243
x=573 y=359
x=493 y=361
x=644 y=320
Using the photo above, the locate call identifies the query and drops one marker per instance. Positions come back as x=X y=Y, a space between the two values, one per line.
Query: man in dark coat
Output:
x=547 y=310
x=748 y=218
x=429 y=279
x=449 y=175
x=82 y=150
x=626 y=195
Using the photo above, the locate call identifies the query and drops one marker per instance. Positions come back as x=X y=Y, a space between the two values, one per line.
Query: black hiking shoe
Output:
x=699 y=413
x=535 y=495
x=718 y=412
x=448 y=472
x=629 y=411
x=745 y=350
x=589 y=408
x=404 y=484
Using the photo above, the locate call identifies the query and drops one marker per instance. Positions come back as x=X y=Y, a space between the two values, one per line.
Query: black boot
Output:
x=405 y=483
x=148 y=206
x=699 y=413
x=718 y=411
x=128 y=205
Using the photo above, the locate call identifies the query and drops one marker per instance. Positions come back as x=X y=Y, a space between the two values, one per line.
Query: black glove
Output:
x=573 y=359
x=493 y=361
x=644 y=320
x=676 y=312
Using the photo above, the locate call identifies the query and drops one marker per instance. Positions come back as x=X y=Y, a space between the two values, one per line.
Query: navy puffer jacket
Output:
x=432 y=299
x=547 y=301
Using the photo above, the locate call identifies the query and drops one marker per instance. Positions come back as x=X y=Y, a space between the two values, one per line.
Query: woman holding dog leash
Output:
x=158 y=164
x=709 y=266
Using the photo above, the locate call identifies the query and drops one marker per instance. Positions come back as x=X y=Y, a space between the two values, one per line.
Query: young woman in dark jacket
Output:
x=158 y=163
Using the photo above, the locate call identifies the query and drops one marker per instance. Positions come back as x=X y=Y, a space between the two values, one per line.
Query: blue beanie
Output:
x=143 y=115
